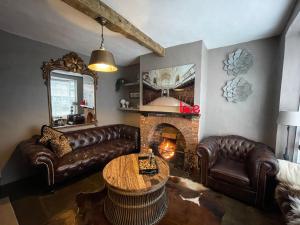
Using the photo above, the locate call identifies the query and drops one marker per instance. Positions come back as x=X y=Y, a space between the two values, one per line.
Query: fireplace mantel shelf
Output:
x=161 y=113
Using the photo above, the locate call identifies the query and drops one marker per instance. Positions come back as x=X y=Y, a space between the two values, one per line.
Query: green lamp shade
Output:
x=102 y=61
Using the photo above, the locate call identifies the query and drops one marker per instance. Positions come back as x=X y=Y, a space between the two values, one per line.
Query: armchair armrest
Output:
x=261 y=156
x=262 y=166
x=39 y=156
x=207 y=152
x=132 y=133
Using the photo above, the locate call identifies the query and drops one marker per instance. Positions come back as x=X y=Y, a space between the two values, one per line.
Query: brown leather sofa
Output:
x=238 y=167
x=92 y=148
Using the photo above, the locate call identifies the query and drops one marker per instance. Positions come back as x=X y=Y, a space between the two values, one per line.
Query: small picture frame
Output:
x=134 y=95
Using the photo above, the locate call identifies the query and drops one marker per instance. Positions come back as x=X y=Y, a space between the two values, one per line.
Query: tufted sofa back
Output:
x=97 y=135
x=234 y=147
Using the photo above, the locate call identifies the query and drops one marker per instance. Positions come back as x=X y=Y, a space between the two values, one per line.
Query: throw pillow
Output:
x=48 y=133
x=60 y=145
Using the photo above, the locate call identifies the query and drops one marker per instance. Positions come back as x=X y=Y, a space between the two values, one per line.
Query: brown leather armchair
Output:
x=238 y=167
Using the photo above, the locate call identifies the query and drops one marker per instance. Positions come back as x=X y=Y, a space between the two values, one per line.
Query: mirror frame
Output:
x=70 y=62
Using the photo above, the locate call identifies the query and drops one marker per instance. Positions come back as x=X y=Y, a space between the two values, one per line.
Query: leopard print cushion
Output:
x=48 y=133
x=55 y=140
x=60 y=146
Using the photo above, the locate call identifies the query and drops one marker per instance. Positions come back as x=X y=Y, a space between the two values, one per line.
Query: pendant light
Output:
x=102 y=60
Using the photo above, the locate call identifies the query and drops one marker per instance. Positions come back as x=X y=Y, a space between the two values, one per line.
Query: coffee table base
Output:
x=123 y=208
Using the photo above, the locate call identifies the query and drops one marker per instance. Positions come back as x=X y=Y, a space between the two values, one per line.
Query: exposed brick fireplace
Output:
x=157 y=127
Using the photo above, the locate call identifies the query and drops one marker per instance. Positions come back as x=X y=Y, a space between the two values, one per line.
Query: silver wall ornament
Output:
x=237 y=90
x=238 y=62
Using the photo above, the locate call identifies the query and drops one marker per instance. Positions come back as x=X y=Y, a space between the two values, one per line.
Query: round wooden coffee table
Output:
x=134 y=199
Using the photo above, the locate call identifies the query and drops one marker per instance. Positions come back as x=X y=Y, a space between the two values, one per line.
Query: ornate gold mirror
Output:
x=71 y=91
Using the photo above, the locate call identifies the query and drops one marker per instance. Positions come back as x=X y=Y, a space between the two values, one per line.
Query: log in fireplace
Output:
x=167 y=147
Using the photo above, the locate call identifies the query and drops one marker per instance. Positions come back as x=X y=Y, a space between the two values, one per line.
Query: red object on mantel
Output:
x=195 y=109
x=167 y=149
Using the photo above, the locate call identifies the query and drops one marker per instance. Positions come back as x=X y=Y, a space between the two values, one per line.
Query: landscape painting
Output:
x=172 y=86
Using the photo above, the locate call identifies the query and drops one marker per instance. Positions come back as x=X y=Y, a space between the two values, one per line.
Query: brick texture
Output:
x=188 y=127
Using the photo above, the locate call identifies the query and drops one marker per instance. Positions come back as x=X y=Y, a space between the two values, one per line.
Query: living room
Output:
x=150 y=112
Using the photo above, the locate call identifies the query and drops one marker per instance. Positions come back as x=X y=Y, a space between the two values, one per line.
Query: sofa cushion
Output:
x=230 y=171
x=95 y=155
x=60 y=145
x=48 y=133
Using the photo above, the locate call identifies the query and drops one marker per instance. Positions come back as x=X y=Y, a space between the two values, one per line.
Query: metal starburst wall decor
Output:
x=237 y=90
x=237 y=64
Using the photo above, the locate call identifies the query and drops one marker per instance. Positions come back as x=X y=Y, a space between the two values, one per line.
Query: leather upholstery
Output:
x=92 y=148
x=238 y=167
x=231 y=172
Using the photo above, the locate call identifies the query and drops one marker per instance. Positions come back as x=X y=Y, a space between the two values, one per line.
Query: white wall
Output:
x=290 y=85
x=256 y=117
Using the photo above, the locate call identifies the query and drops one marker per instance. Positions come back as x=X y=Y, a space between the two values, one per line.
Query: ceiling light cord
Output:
x=102 y=38
x=102 y=60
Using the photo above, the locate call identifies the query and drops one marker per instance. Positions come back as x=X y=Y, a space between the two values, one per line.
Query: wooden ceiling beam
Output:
x=115 y=22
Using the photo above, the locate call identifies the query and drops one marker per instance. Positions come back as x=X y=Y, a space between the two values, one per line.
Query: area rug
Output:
x=190 y=203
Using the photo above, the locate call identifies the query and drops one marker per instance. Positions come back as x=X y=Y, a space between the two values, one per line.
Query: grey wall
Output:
x=131 y=74
x=256 y=117
x=108 y=99
x=23 y=96
x=203 y=91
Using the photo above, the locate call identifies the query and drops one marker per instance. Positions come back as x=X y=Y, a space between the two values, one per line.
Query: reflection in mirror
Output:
x=72 y=98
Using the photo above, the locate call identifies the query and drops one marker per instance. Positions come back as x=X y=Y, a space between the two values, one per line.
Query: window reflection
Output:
x=63 y=96
x=72 y=98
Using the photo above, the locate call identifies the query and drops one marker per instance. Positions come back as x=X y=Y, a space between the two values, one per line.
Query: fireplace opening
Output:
x=167 y=147
x=169 y=143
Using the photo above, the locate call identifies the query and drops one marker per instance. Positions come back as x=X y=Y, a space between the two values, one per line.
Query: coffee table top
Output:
x=122 y=173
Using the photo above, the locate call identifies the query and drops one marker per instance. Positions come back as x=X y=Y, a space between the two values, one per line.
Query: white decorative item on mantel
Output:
x=238 y=62
x=237 y=90
x=123 y=103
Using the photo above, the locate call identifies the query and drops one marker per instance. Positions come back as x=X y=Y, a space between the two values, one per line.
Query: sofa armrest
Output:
x=39 y=156
x=207 y=152
x=262 y=167
x=132 y=133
